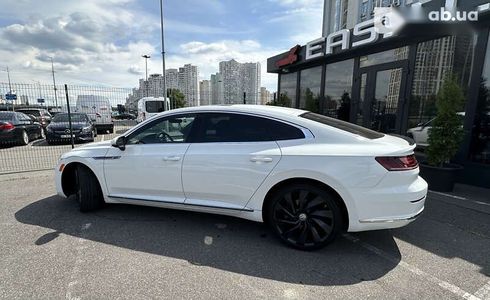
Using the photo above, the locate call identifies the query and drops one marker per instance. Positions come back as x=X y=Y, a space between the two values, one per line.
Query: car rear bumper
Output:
x=388 y=205
x=8 y=137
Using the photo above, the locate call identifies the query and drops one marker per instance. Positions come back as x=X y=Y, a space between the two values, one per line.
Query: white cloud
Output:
x=101 y=42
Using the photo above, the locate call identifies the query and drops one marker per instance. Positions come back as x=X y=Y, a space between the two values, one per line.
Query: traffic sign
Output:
x=40 y=100
x=11 y=96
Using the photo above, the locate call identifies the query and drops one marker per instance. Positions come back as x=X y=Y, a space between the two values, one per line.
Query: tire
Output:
x=42 y=134
x=304 y=216
x=24 y=138
x=89 y=194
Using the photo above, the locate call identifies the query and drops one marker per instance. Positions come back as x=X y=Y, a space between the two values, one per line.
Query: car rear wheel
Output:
x=42 y=134
x=304 y=216
x=88 y=194
x=24 y=138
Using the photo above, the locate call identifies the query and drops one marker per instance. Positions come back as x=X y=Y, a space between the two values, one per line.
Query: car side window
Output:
x=171 y=129
x=23 y=118
x=234 y=127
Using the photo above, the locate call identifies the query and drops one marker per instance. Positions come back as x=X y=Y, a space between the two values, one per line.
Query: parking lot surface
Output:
x=50 y=250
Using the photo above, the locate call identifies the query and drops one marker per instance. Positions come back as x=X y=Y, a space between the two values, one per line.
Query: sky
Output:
x=100 y=42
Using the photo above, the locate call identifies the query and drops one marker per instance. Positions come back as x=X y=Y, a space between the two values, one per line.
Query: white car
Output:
x=420 y=133
x=306 y=175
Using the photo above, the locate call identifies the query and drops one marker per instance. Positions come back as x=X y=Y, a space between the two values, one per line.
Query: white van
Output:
x=150 y=106
x=99 y=110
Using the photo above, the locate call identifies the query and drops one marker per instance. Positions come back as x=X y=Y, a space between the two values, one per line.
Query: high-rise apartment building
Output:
x=265 y=96
x=241 y=82
x=205 y=92
x=217 y=96
x=172 y=78
x=188 y=84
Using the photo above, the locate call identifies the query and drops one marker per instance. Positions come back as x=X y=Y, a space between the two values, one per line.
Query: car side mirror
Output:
x=119 y=142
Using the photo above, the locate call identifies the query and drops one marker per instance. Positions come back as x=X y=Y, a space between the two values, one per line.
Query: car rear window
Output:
x=59 y=118
x=6 y=116
x=33 y=112
x=342 y=125
x=154 y=106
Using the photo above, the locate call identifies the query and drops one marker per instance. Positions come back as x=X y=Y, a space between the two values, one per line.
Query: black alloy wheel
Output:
x=305 y=216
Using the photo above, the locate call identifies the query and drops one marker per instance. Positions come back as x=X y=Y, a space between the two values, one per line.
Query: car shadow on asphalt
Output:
x=451 y=232
x=221 y=242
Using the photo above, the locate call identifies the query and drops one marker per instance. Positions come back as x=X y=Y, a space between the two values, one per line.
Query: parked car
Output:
x=124 y=116
x=42 y=115
x=420 y=133
x=151 y=106
x=99 y=110
x=59 y=129
x=307 y=176
x=17 y=128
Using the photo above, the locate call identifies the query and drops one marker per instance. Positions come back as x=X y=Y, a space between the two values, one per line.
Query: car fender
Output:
x=277 y=176
x=94 y=163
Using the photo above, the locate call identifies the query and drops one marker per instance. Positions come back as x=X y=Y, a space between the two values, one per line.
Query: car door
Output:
x=29 y=125
x=230 y=155
x=150 y=167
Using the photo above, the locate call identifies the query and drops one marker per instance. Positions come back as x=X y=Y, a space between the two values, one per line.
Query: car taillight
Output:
x=7 y=126
x=398 y=163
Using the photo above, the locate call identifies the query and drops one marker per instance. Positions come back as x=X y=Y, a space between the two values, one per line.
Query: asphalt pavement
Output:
x=49 y=250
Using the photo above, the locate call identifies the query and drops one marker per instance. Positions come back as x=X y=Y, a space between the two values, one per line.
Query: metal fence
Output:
x=35 y=128
x=27 y=143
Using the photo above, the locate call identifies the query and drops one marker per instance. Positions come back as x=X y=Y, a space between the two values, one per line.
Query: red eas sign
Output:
x=290 y=59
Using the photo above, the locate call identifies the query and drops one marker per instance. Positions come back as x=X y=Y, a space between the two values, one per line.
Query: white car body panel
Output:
x=227 y=173
x=221 y=178
x=151 y=172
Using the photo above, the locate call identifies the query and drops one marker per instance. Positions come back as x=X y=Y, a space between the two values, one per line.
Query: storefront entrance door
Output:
x=381 y=97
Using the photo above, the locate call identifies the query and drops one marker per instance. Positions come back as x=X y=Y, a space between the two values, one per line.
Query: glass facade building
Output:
x=391 y=86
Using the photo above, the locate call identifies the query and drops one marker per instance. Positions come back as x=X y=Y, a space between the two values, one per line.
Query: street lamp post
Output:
x=163 y=55
x=146 y=56
x=10 y=88
x=54 y=83
x=39 y=85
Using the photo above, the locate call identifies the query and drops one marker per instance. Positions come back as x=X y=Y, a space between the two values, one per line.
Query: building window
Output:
x=310 y=82
x=287 y=88
x=384 y=57
x=434 y=60
x=480 y=136
x=338 y=89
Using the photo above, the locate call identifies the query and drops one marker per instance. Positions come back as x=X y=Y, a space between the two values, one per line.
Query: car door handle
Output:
x=261 y=159
x=171 y=158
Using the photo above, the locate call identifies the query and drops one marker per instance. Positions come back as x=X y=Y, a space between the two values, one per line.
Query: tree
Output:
x=312 y=103
x=283 y=100
x=176 y=98
x=446 y=133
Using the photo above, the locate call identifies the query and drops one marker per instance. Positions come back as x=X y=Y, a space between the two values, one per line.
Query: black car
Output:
x=124 y=116
x=42 y=115
x=59 y=129
x=18 y=129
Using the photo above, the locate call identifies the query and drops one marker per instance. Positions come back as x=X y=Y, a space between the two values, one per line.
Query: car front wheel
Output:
x=304 y=216
x=89 y=194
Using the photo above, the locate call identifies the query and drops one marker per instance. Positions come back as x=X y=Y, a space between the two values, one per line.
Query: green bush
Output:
x=446 y=133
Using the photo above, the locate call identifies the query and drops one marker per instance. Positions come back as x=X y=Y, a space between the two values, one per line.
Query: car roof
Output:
x=246 y=108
